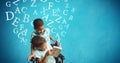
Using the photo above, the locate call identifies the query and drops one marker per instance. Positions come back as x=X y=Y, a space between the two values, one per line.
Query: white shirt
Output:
x=46 y=35
x=41 y=54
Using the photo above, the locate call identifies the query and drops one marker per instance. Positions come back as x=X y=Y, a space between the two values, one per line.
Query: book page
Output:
x=56 y=51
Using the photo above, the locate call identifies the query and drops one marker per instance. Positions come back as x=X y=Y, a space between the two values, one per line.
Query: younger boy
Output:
x=42 y=50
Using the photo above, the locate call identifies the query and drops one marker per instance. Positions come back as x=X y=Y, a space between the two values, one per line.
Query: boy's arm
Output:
x=32 y=53
x=44 y=60
x=32 y=50
x=49 y=52
x=53 y=39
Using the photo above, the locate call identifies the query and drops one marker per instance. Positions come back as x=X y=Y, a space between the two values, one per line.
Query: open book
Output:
x=56 y=51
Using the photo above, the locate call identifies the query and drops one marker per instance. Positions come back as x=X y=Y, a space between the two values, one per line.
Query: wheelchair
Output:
x=59 y=59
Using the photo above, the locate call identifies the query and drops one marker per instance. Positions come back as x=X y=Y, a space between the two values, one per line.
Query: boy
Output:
x=42 y=50
x=41 y=31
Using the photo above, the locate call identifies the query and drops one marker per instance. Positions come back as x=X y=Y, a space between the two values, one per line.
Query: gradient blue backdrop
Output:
x=93 y=36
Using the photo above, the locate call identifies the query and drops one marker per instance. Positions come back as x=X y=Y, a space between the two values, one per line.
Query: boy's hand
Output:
x=30 y=57
x=55 y=41
x=49 y=52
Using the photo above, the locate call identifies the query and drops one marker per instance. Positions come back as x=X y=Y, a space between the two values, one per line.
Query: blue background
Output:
x=93 y=36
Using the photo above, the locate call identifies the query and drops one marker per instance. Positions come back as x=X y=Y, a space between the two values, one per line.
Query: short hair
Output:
x=38 y=22
x=37 y=41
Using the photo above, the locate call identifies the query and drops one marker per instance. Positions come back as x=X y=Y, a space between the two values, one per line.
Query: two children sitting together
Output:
x=40 y=43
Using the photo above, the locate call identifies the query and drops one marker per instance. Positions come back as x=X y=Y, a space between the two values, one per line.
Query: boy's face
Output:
x=40 y=29
x=42 y=47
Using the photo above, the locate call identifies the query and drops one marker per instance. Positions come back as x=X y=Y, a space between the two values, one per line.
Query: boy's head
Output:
x=39 y=43
x=39 y=26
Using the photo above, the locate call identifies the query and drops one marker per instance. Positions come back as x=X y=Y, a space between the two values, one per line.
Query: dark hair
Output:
x=38 y=22
x=37 y=41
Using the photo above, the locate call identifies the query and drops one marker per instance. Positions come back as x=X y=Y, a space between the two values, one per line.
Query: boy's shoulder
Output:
x=33 y=34
x=47 y=29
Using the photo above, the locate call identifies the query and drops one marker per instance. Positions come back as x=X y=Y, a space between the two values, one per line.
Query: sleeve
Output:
x=49 y=46
x=33 y=34
x=47 y=31
x=38 y=54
